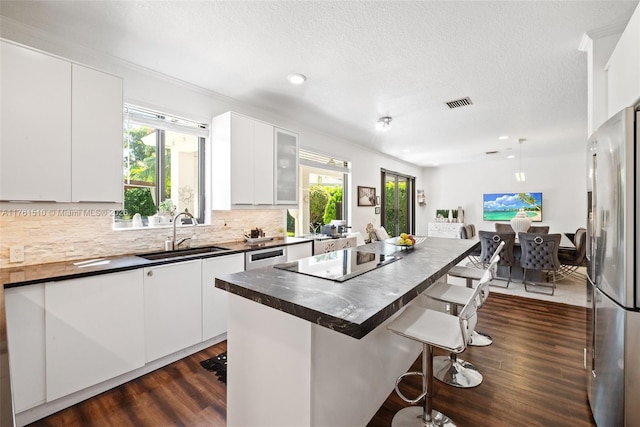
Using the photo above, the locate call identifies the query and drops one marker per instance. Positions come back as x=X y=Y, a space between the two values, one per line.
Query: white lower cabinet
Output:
x=214 y=300
x=26 y=335
x=302 y=250
x=450 y=230
x=172 y=308
x=94 y=330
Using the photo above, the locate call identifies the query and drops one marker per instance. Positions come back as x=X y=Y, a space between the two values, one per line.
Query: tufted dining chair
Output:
x=489 y=242
x=539 y=252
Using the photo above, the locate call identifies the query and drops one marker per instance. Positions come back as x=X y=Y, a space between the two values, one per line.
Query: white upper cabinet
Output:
x=96 y=153
x=245 y=163
x=35 y=126
x=623 y=69
x=286 y=167
x=262 y=163
x=61 y=129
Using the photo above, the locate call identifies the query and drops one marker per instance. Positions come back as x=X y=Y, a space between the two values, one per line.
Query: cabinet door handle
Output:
x=150 y=273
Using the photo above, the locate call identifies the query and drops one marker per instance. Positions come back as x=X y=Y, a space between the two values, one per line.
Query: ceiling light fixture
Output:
x=296 y=79
x=520 y=175
x=503 y=137
x=384 y=123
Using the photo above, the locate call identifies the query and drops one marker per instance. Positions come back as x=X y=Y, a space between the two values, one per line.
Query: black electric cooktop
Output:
x=339 y=265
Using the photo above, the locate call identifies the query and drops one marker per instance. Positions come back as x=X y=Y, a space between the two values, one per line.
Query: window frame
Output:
x=314 y=159
x=162 y=122
x=410 y=202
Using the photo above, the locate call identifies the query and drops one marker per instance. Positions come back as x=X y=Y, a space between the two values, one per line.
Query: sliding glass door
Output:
x=398 y=203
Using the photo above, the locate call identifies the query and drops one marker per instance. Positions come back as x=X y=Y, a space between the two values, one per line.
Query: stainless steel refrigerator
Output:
x=613 y=338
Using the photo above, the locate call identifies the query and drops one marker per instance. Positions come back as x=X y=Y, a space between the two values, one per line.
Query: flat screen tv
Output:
x=504 y=206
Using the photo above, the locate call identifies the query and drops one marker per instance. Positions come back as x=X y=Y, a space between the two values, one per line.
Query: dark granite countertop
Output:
x=359 y=305
x=20 y=276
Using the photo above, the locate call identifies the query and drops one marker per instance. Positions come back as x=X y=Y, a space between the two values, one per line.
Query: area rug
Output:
x=570 y=290
x=217 y=364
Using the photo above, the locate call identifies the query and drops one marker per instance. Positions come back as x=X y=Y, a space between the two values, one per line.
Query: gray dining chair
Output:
x=539 y=252
x=503 y=228
x=468 y=231
x=489 y=242
x=572 y=259
x=540 y=229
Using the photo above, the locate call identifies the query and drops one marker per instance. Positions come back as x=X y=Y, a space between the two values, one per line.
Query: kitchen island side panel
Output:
x=285 y=371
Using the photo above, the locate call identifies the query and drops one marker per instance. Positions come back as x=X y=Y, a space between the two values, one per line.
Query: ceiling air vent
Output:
x=456 y=103
x=491 y=152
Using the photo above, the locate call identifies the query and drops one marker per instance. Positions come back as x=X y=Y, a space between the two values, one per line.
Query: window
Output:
x=323 y=182
x=398 y=203
x=163 y=162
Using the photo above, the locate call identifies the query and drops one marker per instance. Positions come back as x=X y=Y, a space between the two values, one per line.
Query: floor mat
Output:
x=217 y=364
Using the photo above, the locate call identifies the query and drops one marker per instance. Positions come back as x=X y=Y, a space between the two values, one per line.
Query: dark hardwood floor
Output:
x=533 y=376
x=533 y=372
x=180 y=394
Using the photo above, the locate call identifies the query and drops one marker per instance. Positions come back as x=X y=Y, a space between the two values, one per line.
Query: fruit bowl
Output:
x=397 y=242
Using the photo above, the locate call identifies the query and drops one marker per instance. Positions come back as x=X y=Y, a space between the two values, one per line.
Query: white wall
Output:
x=562 y=181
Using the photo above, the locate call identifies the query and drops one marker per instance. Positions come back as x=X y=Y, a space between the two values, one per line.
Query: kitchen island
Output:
x=307 y=351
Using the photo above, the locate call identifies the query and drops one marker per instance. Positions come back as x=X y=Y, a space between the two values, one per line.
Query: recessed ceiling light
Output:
x=296 y=79
x=511 y=156
x=384 y=123
x=503 y=137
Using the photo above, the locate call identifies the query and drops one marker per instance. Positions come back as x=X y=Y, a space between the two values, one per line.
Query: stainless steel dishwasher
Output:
x=264 y=257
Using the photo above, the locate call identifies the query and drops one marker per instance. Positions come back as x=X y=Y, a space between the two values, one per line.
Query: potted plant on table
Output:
x=442 y=215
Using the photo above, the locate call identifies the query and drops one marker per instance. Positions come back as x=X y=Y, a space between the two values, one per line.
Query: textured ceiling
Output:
x=518 y=62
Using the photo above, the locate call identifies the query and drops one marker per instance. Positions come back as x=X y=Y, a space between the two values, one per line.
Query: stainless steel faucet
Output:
x=175 y=222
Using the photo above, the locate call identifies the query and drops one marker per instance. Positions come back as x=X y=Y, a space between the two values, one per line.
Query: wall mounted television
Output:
x=504 y=206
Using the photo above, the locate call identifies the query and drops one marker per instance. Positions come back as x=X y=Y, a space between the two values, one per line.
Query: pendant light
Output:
x=520 y=175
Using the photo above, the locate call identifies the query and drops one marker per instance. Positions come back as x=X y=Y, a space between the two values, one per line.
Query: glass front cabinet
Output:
x=286 y=167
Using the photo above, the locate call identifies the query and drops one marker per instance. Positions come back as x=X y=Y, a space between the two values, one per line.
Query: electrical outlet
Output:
x=16 y=253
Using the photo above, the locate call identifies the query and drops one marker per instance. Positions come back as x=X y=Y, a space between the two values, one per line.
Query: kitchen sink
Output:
x=182 y=253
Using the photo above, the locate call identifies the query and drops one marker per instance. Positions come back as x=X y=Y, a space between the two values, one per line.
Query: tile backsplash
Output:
x=54 y=238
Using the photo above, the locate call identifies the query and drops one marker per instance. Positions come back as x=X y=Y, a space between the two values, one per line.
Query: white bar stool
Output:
x=493 y=245
x=450 y=369
x=433 y=329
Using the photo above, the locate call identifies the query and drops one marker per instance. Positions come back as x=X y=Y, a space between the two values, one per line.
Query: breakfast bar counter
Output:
x=307 y=351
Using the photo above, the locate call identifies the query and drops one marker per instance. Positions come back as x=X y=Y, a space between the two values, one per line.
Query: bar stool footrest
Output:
x=402 y=396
